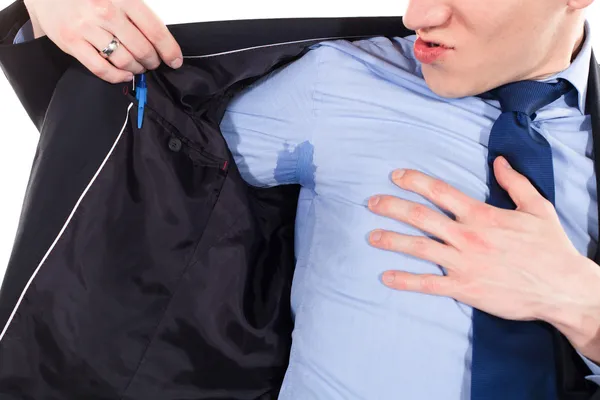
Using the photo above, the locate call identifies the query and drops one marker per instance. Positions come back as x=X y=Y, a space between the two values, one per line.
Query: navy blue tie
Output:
x=515 y=359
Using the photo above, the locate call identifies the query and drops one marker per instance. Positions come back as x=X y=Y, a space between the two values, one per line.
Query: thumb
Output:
x=521 y=190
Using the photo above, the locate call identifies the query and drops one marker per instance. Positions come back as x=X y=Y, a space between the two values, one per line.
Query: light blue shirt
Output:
x=25 y=33
x=338 y=121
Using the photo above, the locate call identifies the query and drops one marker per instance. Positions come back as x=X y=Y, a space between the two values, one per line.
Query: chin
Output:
x=444 y=85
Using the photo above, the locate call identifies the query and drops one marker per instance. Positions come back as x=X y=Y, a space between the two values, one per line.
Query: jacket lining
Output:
x=66 y=224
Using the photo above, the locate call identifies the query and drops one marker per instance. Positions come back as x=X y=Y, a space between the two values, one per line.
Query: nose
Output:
x=426 y=14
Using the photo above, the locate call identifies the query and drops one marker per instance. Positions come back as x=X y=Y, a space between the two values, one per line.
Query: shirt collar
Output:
x=578 y=72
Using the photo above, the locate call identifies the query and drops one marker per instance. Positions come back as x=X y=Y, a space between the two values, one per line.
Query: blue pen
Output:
x=141 y=91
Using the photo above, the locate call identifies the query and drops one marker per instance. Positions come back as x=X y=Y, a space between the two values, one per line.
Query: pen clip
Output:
x=140 y=94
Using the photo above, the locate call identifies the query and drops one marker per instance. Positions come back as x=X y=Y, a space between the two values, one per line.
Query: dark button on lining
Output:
x=174 y=144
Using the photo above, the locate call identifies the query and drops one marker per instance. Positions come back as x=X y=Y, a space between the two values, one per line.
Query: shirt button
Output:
x=174 y=144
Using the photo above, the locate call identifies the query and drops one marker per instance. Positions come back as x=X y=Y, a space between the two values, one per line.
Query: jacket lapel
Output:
x=592 y=107
x=571 y=368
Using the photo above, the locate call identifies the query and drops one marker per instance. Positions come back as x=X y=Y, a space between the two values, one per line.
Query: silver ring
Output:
x=112 y=46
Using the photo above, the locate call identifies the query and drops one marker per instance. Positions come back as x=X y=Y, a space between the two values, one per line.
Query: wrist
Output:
x=586 y=343
x=577 y=314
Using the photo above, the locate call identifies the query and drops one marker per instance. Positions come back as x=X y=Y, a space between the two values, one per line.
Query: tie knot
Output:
x=528 y=96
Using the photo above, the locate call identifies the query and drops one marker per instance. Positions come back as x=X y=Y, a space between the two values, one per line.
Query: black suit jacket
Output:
x=108 y=294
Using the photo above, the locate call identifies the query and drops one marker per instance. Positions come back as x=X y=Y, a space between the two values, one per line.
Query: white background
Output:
x=19 y=137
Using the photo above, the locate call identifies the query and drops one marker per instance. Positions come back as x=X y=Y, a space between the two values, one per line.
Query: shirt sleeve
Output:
x=595 y=368
x=268 y=126
x=24 y=34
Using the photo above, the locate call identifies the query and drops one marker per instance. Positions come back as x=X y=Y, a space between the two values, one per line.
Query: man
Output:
x=342 y=118
x=345 y=115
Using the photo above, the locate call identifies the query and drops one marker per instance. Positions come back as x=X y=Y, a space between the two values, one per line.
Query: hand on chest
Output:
x=352 y=156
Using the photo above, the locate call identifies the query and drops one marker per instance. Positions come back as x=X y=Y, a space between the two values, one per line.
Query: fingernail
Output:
x=177 y=63
x=373 y=201
x=388 y=277
x=398 y=174
x=505 y=163
x=375 y=236
x=129 y=78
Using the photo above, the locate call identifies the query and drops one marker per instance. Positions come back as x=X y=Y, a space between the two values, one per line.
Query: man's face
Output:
x=488 y=43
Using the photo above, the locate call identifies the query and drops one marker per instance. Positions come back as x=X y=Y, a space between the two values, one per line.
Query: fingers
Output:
x=155 y=31
x=438 y=192
x=89 y=57
x=425 y=283
x=112 y=18
x=418 y=215
x=417 y=246
x=466 y=209
x=136 y=43
x=82 y=28
x=121 y=58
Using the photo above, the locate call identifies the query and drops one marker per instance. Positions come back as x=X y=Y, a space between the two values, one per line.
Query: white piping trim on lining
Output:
x=273 y=45
x=12 y=315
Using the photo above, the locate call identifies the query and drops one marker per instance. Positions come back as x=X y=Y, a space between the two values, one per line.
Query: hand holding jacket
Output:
x=83 y=28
